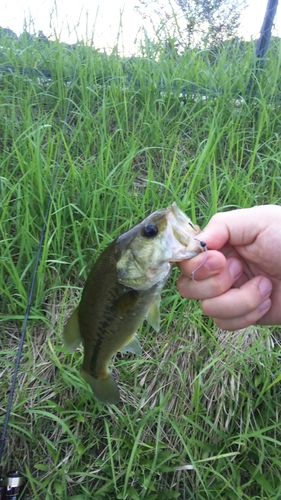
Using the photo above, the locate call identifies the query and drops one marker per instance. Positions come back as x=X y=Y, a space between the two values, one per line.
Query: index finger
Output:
x=238 y=227
x=215 y=261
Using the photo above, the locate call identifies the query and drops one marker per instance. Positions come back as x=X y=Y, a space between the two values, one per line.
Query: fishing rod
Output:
x=13 y=484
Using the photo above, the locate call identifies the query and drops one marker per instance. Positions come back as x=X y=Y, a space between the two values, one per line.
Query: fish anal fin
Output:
x=105 y=389
x=153 y=314
x=71 y=333
x=133 y=346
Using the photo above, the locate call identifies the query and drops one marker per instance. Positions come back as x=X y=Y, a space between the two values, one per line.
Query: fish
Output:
x=123 y=289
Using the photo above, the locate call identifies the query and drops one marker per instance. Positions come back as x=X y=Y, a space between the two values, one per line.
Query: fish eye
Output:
x=150 y=231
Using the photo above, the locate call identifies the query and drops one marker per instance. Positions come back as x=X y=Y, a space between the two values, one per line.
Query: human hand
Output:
x=240 y=283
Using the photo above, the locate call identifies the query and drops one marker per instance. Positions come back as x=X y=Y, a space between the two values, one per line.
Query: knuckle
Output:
x=217 y=217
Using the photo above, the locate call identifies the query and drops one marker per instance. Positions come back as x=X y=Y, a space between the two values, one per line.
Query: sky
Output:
x=71 y=20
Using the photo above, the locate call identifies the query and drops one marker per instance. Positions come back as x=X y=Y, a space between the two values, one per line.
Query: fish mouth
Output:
x=181 y=234
x=188 y=255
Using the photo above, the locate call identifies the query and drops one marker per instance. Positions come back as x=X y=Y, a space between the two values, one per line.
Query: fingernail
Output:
x=235 y=268
x=265 y=305
x=265 y=287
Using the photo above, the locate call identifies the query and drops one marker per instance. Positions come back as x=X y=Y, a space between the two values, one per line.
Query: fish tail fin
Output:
x=105 y=389
x=71 y=333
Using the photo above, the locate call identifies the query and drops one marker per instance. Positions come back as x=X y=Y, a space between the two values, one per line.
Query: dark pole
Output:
x=263 y=41
x=266 y=29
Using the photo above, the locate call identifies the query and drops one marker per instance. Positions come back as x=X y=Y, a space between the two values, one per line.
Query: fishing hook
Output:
x=204 y=246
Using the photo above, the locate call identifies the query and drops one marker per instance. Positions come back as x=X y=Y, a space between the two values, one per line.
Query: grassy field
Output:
x=200 y=411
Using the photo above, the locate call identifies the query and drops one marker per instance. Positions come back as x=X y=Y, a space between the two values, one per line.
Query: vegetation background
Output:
x=200 y=410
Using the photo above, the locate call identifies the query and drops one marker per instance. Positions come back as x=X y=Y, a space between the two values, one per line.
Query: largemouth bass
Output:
x=122 y=289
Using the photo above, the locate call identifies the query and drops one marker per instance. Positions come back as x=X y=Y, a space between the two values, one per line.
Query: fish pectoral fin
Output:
x=105 y=389
x=133 y=346
x=153 y=314
x=71 y=333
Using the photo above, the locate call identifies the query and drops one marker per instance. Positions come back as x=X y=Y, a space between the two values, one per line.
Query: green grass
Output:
x=200 y=411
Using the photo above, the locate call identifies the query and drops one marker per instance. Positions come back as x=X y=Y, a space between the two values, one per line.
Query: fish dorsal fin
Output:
x=153 y=314
x=133 y=346
x=71 y=333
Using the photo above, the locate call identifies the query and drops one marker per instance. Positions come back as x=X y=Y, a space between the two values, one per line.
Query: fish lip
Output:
x=190 y=256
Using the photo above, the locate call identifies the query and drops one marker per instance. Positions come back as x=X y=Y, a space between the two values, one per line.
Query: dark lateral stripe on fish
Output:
x=95 y=356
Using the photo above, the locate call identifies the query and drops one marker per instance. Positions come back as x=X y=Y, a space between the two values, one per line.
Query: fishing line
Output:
x=33 y=281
